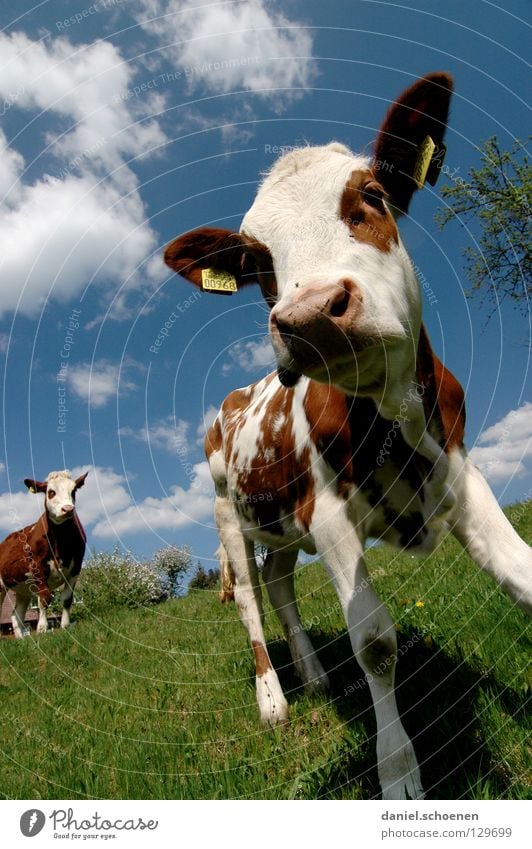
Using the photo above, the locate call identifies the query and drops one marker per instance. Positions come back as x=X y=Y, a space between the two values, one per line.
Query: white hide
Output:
x=296 y=214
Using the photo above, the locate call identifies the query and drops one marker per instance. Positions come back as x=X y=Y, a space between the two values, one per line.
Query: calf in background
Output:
x=42 y=557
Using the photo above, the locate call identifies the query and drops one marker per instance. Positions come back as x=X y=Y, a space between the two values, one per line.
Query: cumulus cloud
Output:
x=81 y=219
x=62 y=234
x=98 y=382
x=11 y=167
x=168 y=434
x=17 y=509
x=252 y=357
x=207 y=419
x=173 y=435
x=181 y=507
x=103 y=494
x=504 y=450
x=244 y=45
x=107 y=508
x=89 y=85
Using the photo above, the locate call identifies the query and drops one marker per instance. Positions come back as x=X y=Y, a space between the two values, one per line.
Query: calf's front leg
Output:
x=374 y=643
x=240 y=553
x=67 y=597
x=278 y=574
x=44 y=597
x=20 y=630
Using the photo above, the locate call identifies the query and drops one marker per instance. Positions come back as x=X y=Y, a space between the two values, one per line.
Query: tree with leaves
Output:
x=499 y=196
x=172 y=563
x=203 y=580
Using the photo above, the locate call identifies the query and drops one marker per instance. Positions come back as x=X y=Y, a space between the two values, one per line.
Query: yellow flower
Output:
x=419 y=604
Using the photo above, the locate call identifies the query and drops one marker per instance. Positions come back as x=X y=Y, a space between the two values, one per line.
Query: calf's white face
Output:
x=322 y=242
x=60 y=494
x=345 y=291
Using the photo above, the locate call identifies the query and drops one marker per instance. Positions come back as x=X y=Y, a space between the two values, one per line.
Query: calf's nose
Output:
x=309 y=305
x=68 y=508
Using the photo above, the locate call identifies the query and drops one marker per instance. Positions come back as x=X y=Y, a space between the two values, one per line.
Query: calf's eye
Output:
x=51 y=493
x=374 y=196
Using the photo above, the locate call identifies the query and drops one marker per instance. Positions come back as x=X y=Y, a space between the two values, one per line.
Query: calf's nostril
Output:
x=340 y=302
x=286 y=330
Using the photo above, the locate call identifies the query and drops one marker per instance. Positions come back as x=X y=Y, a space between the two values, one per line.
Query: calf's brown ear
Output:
x=409 y=149
x=213 y=252
x=81 y=480
x=35 y=486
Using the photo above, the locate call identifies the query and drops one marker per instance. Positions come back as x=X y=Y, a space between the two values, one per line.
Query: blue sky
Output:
x=126 y=123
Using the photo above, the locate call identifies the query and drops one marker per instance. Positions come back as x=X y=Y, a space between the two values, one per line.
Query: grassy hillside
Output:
x=160 y=702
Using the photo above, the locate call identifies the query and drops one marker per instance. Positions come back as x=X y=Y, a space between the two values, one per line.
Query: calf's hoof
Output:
x=273 y=707
x=317 y=685
x=399 y=771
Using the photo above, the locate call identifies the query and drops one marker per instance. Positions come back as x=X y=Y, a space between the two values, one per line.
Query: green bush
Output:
x=116 y=579
x=172 y=563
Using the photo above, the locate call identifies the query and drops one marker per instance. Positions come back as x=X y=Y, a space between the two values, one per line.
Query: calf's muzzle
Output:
x=314 y=326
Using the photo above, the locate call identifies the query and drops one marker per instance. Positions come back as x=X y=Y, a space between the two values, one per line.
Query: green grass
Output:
x=160 y=702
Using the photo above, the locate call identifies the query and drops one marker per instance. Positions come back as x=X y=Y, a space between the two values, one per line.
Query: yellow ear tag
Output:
x=214 y=280
x=425 y=153
x=32 y=489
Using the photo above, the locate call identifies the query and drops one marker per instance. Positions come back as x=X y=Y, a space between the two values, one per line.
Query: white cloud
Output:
x=106 y=503
x=207 y=419
x=103 y=494
x=180 y=508
x=62 y=234
x=18 y=509
x=169 y=434
x=11 y=167
x=173 y=435
x=504 y=450
x=90 y=86
x=235 y=125
x=251 y=356
x=82 y=220
x=228 y=46
x=98 y=382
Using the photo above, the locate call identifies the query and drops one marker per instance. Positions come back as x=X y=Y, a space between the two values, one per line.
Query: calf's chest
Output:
x=59 y=572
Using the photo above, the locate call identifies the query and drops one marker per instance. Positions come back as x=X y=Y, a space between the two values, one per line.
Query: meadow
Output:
x=159 y=702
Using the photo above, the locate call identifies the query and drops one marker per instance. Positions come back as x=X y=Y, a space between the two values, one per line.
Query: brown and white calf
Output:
x=360 y=433
x=47 y=555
